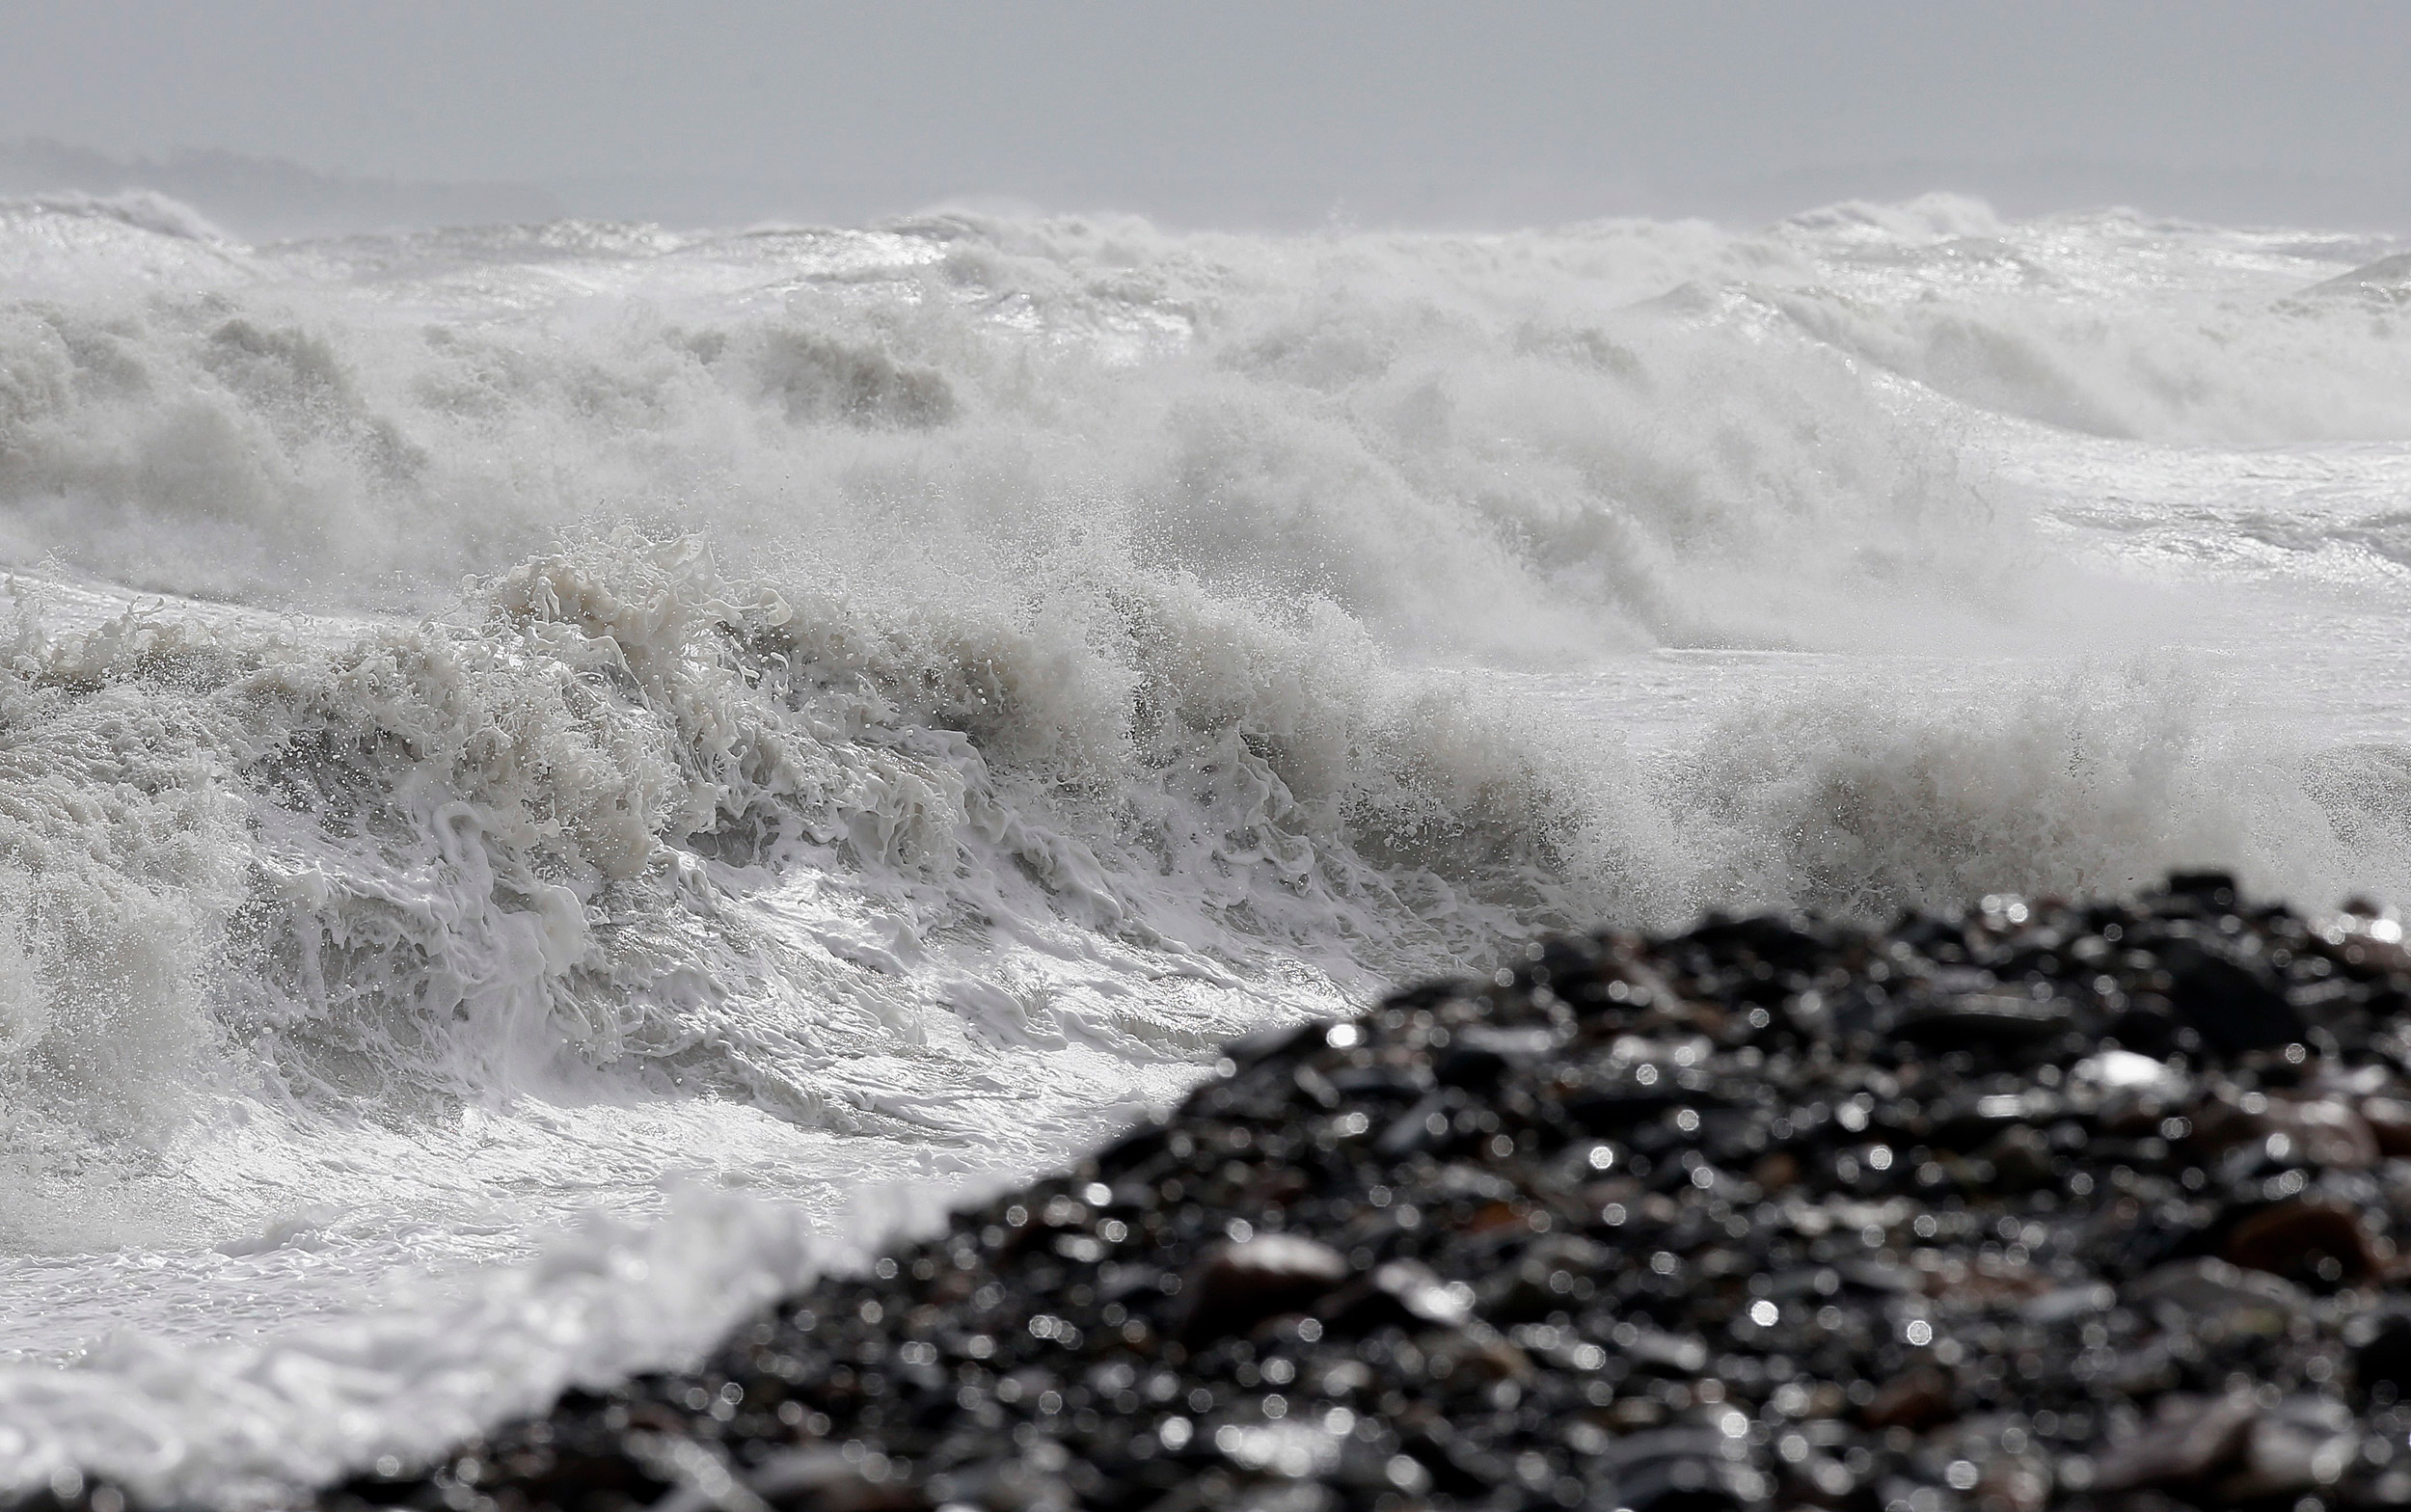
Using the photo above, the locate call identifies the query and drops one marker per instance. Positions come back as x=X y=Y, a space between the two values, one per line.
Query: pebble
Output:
x=2029 y=1205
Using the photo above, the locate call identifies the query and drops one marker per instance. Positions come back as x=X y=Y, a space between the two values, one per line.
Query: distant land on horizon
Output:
x=266 y=198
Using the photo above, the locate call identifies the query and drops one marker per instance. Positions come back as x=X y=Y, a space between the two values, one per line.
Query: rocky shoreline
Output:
x=2039 y=1205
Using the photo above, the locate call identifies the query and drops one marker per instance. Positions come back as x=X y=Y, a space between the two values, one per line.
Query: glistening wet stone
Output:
x=2036 y=1205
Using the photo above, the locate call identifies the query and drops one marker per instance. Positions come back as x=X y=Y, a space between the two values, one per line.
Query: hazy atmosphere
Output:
x=1238 y=114
x=1144 y=758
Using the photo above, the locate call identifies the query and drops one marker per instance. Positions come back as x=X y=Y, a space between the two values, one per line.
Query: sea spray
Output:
x=502 y=722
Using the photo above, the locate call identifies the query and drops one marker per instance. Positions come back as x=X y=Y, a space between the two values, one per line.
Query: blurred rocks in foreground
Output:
x=2040 y=1206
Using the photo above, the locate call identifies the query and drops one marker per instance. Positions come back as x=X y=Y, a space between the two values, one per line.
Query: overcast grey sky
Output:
x=1241 y=110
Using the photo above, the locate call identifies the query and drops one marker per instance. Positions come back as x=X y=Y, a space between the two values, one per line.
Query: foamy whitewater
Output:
x=555 y=780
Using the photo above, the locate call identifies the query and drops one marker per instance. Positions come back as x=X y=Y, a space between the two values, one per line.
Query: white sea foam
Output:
x=502 y=726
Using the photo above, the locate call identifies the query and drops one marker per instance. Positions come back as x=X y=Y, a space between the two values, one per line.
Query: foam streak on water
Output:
x=555 y=780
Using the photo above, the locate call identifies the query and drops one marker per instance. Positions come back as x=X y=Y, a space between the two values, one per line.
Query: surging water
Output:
x=553 y=780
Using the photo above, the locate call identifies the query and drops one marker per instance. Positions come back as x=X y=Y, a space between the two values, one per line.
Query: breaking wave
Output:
x=507 y=717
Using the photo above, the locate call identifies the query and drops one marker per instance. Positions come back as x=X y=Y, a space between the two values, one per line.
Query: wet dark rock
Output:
x=1986 y=1019
x=1681 y=1469
x=2389 y=1121
x=2211 y=1291
x=2327 y=1132
x=2234 y=1009
x=1239 y=1284
x=2189 y=1442
x=2032 y=1206
x=2382 y=1358
x=2218 y=889
x=2311 y=1241
x=1919 y=1398
x=821 y=1478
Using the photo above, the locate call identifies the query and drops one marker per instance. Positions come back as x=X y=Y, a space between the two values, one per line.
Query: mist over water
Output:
x=554 y=778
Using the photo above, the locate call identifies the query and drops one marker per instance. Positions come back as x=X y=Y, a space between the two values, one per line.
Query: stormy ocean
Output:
x=557 y=780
